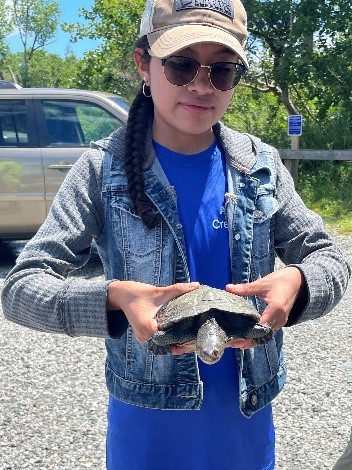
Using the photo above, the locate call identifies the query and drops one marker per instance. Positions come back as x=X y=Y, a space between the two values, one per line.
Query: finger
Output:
x=143 y=333
x=183 y=287
x=274 y=316
x=245 y=290
x=175 y=290
x=240 y=343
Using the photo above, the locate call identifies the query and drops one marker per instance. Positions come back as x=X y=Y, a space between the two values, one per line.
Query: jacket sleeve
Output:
x=302 y=241
x=39 y=293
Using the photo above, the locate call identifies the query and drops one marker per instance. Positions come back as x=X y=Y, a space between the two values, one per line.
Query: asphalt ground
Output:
x=53 y=398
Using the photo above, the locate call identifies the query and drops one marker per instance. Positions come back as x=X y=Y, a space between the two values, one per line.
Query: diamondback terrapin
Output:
x=210 y=317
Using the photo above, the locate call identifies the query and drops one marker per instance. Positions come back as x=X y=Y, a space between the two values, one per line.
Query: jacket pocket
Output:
x=131 y=234
x=146 y=255
x=261 y=364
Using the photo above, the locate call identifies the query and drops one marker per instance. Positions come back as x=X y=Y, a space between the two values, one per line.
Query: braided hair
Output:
x=140 y=115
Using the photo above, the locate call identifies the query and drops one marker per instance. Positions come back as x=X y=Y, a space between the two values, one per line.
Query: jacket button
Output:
x=254 y=400
x=257 y=214
x=237 y=236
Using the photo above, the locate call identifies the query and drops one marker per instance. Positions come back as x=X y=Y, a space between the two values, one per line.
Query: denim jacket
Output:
x=130 y=251
x=265 y=217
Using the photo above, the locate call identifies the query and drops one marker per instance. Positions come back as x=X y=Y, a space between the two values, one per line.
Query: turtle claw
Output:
x=262 y=333
x=158 y=349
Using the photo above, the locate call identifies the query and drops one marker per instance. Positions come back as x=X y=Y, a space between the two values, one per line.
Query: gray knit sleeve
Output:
x=38 y=292
x=302 y=241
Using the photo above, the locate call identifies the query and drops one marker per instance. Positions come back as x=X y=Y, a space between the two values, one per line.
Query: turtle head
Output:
x=210 y=343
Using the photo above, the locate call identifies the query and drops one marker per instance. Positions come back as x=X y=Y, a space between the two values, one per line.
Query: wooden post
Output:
x=294 y=163
x=290 y=163
x=294 y=130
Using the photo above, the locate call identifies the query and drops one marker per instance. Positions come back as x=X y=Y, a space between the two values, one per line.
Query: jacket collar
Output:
x=240 y=149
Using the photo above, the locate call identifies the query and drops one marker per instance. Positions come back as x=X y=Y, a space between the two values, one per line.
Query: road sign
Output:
x=295 y=124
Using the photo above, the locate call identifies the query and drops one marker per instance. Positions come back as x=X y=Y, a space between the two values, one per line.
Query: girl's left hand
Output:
x=278 y=290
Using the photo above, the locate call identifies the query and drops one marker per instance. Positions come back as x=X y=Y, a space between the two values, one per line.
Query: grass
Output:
x=341 y=222
x=325 y=187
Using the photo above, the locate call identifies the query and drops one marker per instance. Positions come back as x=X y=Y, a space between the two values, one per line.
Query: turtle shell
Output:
x=180 y=319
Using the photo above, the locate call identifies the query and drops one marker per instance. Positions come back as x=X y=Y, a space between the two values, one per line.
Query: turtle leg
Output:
x=160 y=343
x=261 y=334
x=158 y=349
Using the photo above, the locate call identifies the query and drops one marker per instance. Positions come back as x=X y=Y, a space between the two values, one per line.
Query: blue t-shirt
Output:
x=217 y=436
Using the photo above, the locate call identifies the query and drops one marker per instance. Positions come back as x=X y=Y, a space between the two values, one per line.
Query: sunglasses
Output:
x=181 y=71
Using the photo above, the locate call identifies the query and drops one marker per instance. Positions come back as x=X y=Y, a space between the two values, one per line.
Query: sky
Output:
x=69 y=14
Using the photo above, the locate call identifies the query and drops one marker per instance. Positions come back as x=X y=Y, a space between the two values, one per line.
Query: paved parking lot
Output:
x=53 y=397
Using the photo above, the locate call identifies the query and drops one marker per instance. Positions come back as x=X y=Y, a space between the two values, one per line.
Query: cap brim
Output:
x=165 y=42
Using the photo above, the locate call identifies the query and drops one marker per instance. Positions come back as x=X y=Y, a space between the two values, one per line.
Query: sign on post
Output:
x=295 y=124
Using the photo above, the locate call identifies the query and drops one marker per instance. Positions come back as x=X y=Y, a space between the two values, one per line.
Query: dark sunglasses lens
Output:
x=180 y=70
x=226 y=75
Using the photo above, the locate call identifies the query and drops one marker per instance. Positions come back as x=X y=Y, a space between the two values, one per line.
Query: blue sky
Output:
x=69 y=13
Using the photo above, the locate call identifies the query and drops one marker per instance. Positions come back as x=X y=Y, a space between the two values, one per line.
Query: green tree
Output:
x=301 y=52
x=260 y=114
x=293 y=47
x=47 y=70
x=5 y=29
x=110 y=67
x=36 y=22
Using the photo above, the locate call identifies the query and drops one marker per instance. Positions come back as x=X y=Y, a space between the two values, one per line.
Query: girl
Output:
x=173 y=200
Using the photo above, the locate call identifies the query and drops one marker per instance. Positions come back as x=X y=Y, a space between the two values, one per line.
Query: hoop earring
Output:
x=144 y=91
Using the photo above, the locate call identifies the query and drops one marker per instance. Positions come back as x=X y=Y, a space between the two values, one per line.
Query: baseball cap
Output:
x=172 y=25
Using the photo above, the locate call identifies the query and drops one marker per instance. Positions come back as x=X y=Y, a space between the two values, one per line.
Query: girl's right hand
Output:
x=140 y=303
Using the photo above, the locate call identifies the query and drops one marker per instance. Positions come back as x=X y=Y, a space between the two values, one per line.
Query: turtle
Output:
x=210 y=317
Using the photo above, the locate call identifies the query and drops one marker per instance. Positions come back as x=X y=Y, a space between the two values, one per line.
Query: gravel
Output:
x=53 y=398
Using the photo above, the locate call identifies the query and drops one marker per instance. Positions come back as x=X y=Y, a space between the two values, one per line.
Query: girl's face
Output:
x=184 y=115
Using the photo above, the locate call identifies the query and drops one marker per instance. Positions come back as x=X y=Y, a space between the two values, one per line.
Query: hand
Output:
x=279 y=291
x=140 y=303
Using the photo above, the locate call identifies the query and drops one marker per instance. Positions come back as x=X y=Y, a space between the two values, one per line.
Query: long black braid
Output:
x=140 y=116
